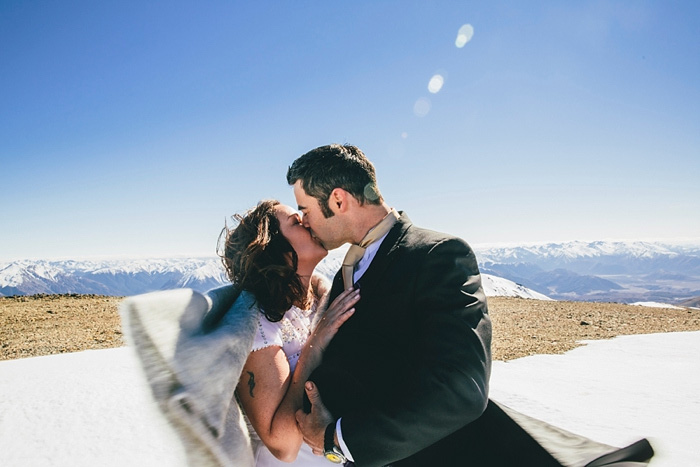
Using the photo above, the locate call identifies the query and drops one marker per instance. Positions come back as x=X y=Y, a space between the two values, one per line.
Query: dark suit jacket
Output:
x=409 y=372
x=412 y=366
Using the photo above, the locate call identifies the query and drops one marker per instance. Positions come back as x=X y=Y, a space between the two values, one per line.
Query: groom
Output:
x=405 y=377
x=404 y=382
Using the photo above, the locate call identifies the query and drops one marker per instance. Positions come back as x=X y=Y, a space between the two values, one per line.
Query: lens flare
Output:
x=435 y=84
x=421 y=107
x=464 y=35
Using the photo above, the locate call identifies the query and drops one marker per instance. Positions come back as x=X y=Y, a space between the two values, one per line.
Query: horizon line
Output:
x=676 y=241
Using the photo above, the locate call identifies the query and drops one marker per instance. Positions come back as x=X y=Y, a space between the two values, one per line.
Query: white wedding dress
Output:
x=290 y=333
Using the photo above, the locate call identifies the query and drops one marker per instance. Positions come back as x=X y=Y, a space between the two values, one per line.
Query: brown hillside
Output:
x=693 y=302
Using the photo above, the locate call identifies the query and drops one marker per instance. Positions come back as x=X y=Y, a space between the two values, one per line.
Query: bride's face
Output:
x=307 y=247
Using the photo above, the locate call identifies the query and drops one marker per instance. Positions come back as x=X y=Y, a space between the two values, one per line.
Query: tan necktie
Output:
x=356 y=252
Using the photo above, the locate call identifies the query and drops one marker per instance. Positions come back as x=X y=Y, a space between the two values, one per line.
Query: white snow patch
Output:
x=657 y=305
x=94 y=408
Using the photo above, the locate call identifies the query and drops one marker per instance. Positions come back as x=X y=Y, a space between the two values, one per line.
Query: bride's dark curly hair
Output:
x=259 y=259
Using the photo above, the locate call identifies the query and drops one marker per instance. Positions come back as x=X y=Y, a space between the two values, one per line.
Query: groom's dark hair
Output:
x=326 y=168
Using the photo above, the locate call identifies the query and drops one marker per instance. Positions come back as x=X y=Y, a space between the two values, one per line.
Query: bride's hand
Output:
x=337 y=313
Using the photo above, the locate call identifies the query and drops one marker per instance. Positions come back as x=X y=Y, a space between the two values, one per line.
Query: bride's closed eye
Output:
x=294 y=219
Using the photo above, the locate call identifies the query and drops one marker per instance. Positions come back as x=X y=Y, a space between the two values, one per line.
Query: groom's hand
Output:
x=313 y=425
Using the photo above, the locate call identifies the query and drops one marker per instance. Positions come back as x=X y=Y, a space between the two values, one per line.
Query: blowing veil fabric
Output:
x=182 y=338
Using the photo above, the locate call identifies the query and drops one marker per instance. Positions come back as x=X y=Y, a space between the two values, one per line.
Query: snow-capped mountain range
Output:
x=119 y=277
x=596 y=271
x=125 y=277
x=611 y=257
x=600 y=271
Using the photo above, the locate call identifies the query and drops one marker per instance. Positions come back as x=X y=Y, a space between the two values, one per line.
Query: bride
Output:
x=271 y=255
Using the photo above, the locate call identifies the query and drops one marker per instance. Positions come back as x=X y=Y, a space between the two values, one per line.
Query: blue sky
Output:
x=137 y=128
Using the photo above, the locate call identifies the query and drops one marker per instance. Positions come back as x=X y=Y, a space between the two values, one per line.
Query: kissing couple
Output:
x=388 y=364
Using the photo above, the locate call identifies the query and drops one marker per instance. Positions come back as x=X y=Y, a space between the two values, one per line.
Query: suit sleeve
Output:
x=449 y=386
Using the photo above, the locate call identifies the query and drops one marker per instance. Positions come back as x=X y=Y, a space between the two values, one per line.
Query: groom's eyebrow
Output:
x=300 y=207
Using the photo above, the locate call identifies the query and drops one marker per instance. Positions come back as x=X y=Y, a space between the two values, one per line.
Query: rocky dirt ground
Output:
x=50 y=324
x=525 y=327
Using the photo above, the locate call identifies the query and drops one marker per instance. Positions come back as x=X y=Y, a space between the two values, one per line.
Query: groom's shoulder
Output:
x=415 y=237
x=421 y=237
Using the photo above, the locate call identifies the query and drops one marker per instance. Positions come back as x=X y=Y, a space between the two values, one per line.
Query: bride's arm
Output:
x=271 y=394
x=264 y=383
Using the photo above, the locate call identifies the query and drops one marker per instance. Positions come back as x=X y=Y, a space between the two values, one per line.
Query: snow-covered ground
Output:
x=93 y=408
x=657 y=305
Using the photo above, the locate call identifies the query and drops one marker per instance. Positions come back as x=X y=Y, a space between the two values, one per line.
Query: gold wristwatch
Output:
x=330 y=450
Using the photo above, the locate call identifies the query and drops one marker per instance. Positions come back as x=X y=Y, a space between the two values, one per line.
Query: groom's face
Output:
x=326 y=229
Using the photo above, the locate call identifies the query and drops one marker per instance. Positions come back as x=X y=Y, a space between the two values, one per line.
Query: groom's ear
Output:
x=338 y=201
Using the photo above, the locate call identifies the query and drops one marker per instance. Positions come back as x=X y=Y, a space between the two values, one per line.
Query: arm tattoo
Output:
x=251 y=383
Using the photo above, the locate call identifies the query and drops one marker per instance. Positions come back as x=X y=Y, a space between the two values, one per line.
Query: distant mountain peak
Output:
x=499 y=287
